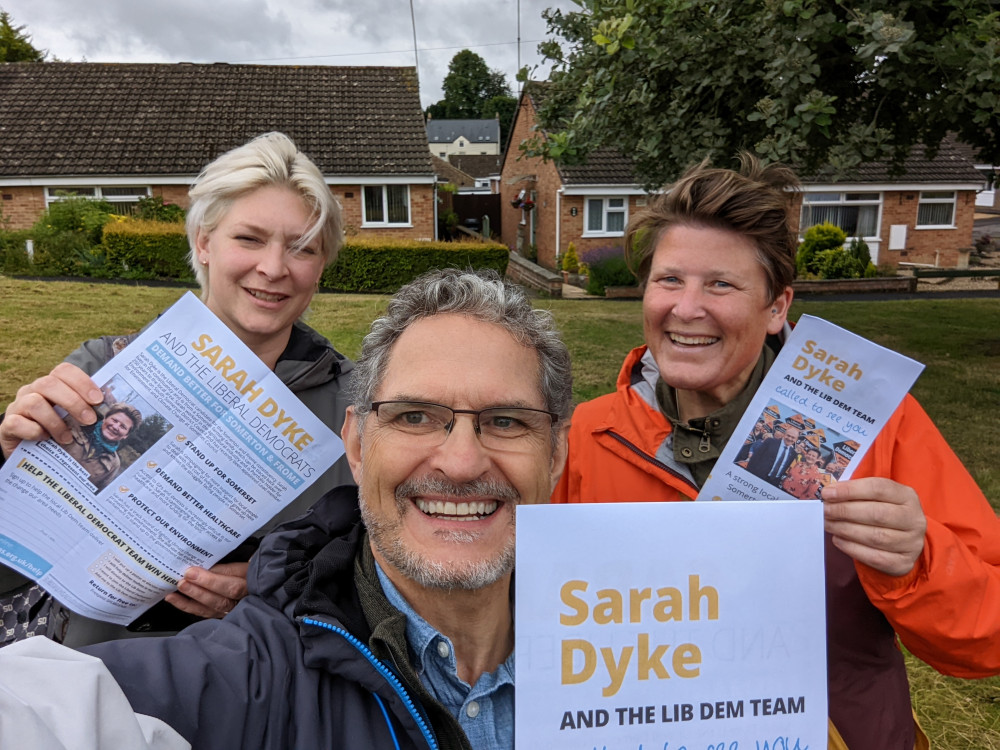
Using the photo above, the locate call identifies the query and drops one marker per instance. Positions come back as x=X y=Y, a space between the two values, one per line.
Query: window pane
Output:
x=595 y=215
x=399 y=209
x=861 y=197
x=616 y=221
x=934 y=214
x=616 y=202
x=123 y=208
x=821 y=214
x=63 y=192
x=938 y=194
x=373 y=204
x=822 y=197
x=129 y=192
x=867 y=221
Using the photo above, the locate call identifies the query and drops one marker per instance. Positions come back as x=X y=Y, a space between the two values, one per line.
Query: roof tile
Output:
x=78 y=119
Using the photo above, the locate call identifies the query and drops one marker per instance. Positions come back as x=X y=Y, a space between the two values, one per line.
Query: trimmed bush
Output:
x=825 y=236
x=384 y=264
x=570 y=260
x=147 y=250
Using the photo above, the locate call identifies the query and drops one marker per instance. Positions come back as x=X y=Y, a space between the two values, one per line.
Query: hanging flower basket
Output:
x=516 y=203
x=527 y=205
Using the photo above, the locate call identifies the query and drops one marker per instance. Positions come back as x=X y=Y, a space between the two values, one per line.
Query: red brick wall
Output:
x=22 y=206
x=26 y=204
x=173 y=194
x=512 y=233
x=939 y=247
x=573 y=226
x=421 y=212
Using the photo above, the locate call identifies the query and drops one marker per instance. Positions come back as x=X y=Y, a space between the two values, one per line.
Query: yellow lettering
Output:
x=609 y=610
x=203 y=341
x=635 y=599
x=687 y=661
x=268 y=408
x=670 y=606
x=567 y=595
x=695 y=593
x=569 y=677
x=616 y=670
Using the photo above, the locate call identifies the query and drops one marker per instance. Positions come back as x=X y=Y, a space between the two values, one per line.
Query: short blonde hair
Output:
x=269 y=159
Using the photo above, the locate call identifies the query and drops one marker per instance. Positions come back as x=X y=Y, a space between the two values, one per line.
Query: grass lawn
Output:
x=958 y=341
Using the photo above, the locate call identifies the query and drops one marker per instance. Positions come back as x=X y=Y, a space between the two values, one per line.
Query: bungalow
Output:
x=922 y=217
x=122 y=132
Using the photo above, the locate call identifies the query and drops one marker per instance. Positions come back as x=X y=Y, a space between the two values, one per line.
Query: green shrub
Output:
x=837 y=263
x=147 y=250
x=570 y=260
x=859 y=249
x=383 y=264
x=13 y=254
x=818 y=238
x=68 y=237
x=612 y=271
x=154 y=209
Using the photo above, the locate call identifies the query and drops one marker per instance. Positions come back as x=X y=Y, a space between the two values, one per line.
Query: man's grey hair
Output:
x=271 y=159
x=484 y=296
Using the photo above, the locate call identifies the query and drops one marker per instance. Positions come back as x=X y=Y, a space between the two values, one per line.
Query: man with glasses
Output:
x=383 y=618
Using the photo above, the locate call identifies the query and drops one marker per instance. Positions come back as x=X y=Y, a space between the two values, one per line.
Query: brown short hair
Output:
x=753 y=201
x=129 y=411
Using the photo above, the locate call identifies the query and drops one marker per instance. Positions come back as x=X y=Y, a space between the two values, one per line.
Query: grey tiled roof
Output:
x=475 y=131
x=604 y=166
x=478 y=165
x=448 y=172
x=76 y=119
x=950 y=165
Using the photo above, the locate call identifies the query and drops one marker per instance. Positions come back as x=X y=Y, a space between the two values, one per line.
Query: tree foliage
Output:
x=15 y=45
x=474 y=92
x=815 y=83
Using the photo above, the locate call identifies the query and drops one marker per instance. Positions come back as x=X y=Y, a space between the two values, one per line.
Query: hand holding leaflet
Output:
x=819 y=408
x=214 y=445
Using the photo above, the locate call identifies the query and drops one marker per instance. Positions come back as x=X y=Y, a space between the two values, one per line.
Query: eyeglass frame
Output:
x=476 y=413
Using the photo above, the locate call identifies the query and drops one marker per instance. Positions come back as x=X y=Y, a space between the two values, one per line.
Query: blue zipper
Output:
x=386 y=673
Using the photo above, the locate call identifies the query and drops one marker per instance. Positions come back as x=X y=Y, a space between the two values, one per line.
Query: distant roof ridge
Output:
x=475 y=131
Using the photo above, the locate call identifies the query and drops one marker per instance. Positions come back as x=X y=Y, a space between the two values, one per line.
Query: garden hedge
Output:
x=380 y=264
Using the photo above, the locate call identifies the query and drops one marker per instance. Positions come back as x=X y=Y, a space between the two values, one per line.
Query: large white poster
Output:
x=674 y=626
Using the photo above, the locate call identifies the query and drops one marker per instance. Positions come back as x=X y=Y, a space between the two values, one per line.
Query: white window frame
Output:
x=97 y=193
x=606 y=208
x=933 y=197
x=385 y=203
x=826 y=198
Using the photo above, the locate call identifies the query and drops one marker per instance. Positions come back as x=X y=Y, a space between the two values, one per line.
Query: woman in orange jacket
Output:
x=912 y=545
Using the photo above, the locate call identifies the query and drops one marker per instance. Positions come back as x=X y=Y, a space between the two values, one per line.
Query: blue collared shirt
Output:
x=485 y=710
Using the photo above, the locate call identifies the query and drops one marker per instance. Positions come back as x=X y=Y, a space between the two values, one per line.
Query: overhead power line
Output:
x=387 y=52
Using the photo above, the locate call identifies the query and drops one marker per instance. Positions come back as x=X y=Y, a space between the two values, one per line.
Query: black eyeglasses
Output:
x=499 y=427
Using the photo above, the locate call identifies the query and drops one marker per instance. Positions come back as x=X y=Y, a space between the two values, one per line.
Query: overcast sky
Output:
x=282 y=32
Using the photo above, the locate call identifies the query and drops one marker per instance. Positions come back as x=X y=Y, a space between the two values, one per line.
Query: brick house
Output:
x=125 y=131
x=923 y=216
x=460 y=137
x=588 y=205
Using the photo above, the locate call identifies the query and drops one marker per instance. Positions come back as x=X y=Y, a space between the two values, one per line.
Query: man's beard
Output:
x=386 y=535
